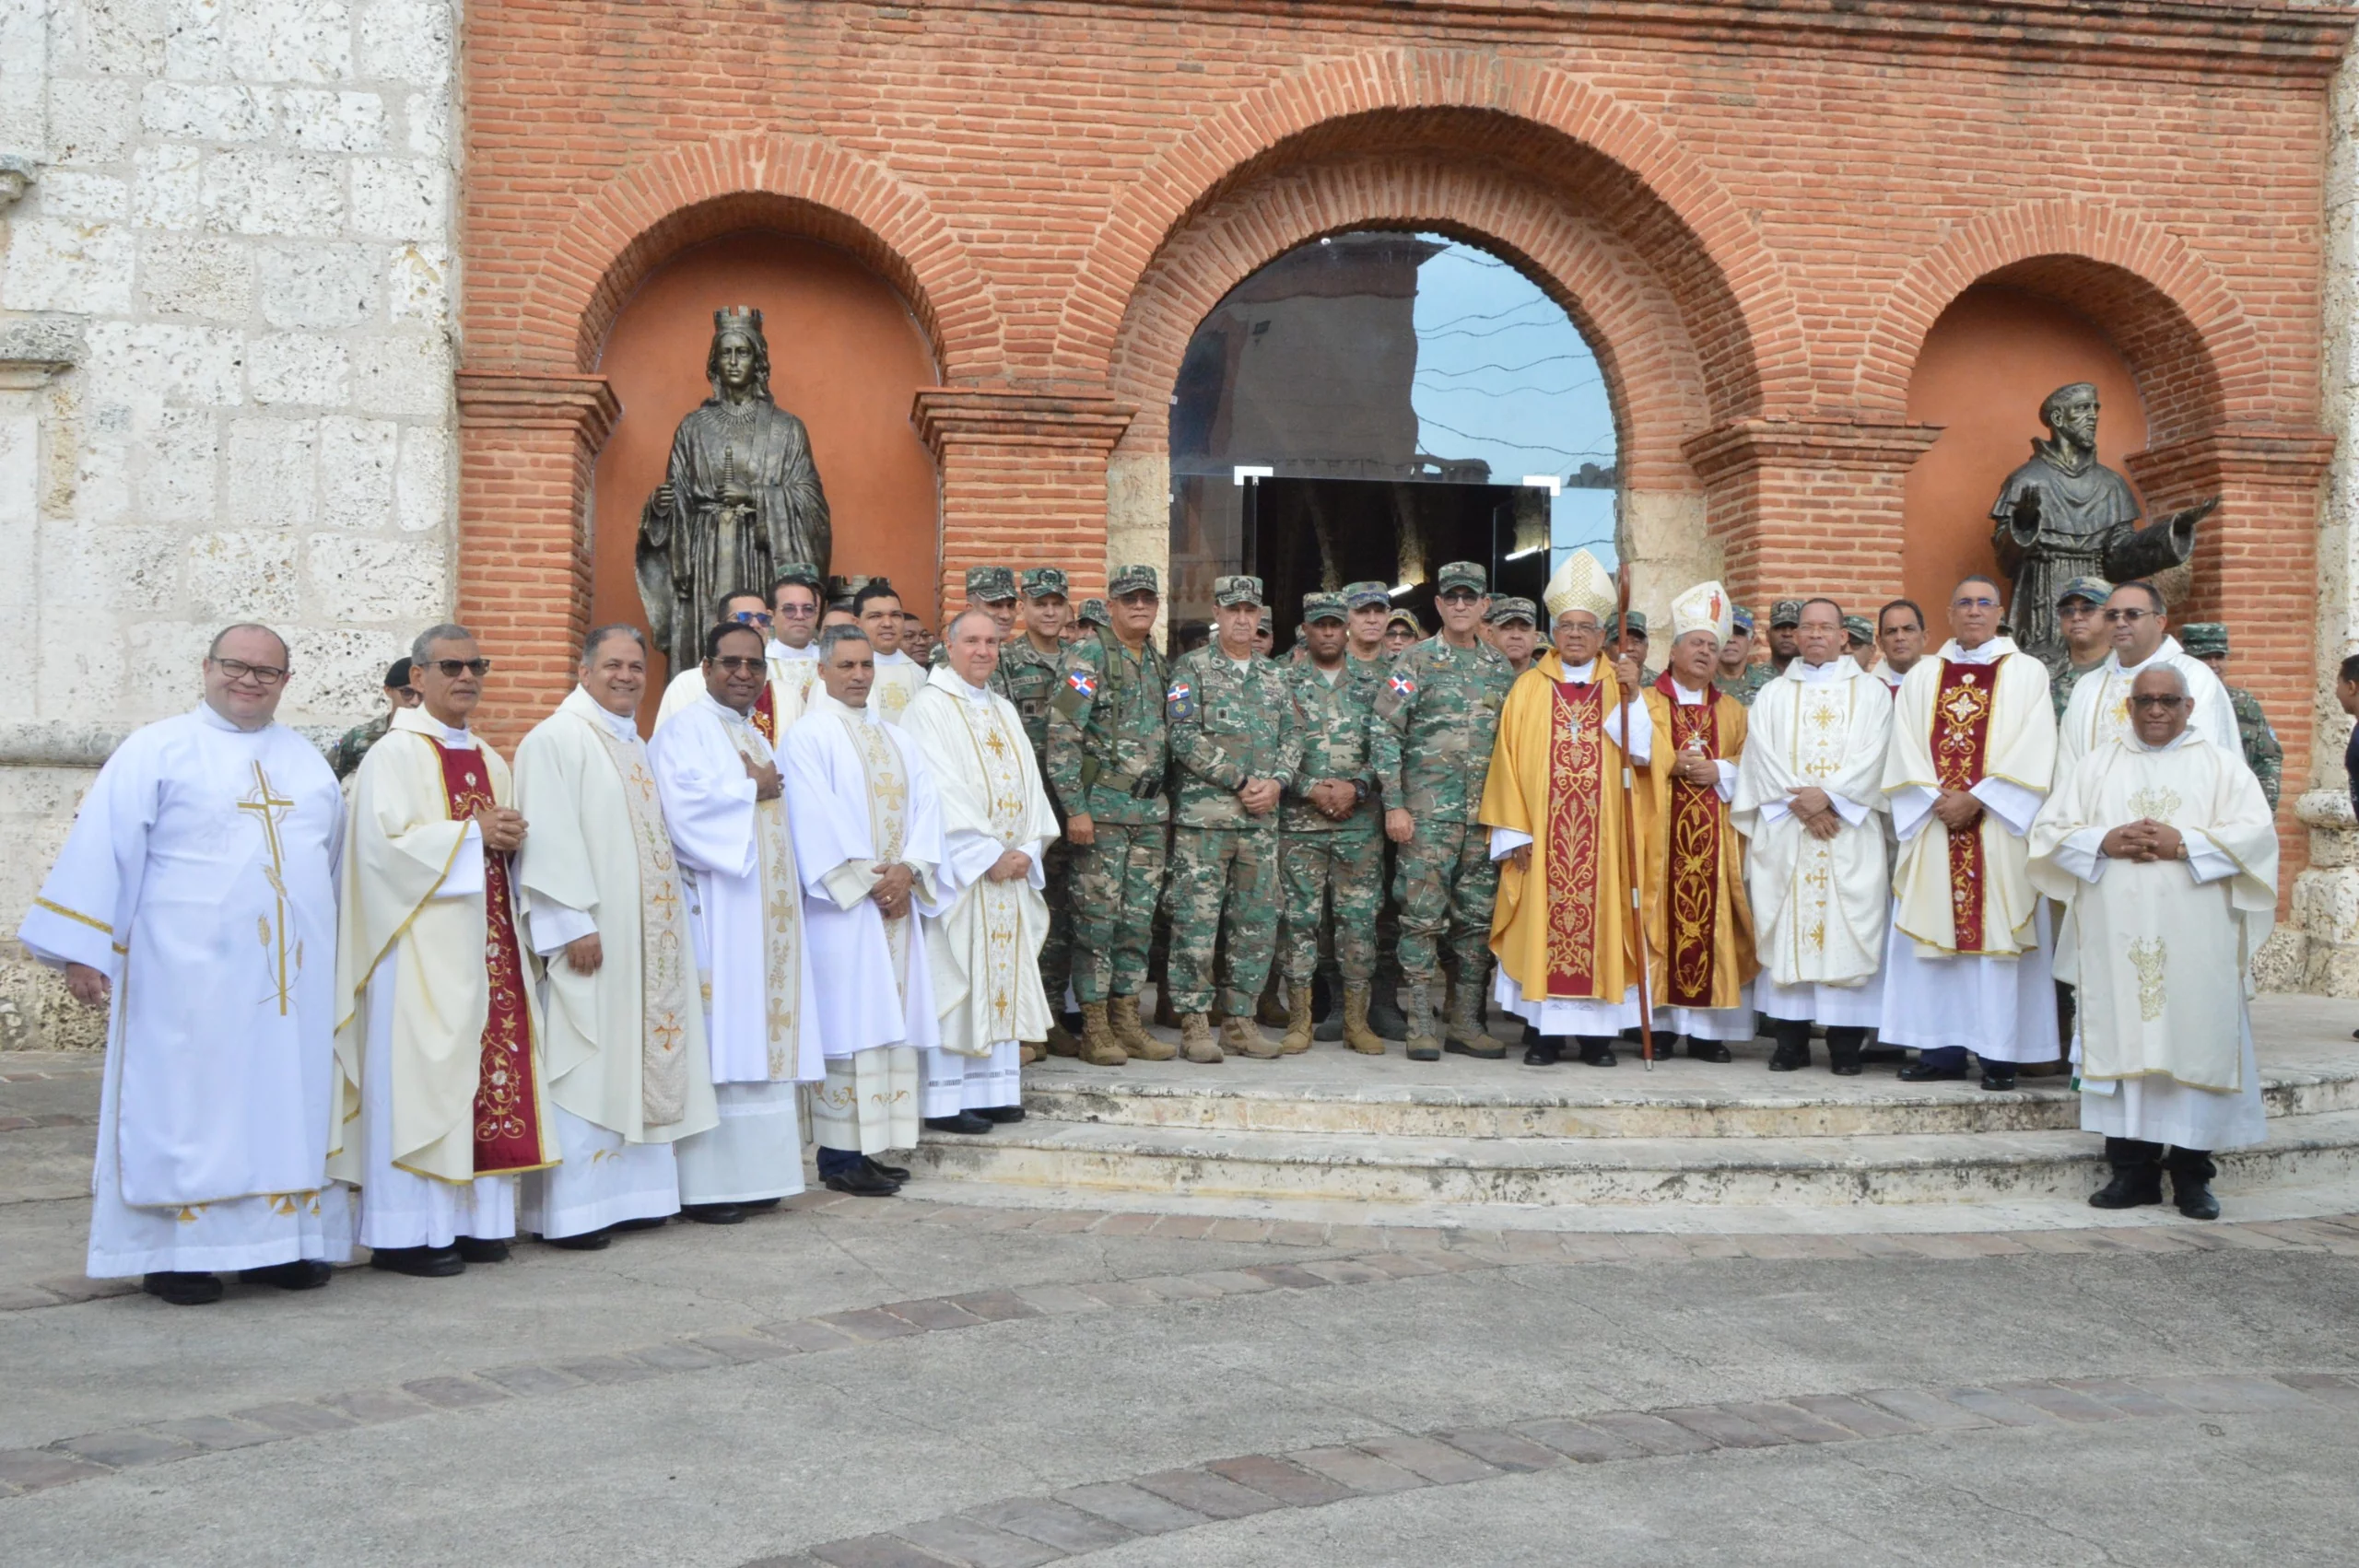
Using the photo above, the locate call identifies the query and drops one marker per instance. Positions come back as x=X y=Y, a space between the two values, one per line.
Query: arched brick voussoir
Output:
x=2186 y=336
x=1652 y=373
x=1557 y=128
x=803 y=185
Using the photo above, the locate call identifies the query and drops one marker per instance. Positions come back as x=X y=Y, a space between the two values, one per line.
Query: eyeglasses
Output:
x=451 y=669
x=2127 y=617
x=2150 y=701
x=750 y=618
x=260 y=674
x=799 y=612
x=1974 y=603
x=738 y=664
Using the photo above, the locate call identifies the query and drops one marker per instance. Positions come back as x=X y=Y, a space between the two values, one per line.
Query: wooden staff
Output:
x=1630 y=827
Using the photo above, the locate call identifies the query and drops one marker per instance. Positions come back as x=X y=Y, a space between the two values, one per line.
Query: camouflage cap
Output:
x=2204 y=638
x=1044 y=582
x=1856 y=627
x=1502 y=610
x=2095 y=590
x=990 y=585
x=1638 y=623
x=1742 y=619
x=802 y=572
x=1461 y=574
x=1406 y=618
x=1786 y=613
x=1093 y=614
x=1324 y=607
x=1132 y=580
x=1362 y=595
x=1228 y=592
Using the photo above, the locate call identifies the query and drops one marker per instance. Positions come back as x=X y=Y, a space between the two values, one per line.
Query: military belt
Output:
x=1139 y=786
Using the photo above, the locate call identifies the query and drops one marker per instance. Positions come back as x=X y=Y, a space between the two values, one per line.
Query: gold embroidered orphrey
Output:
x=999 y=902
x=268 y=807
x=889 y=816
x=1822 y=728
x=782 y=912
x=662 y=946
x=2150 y=957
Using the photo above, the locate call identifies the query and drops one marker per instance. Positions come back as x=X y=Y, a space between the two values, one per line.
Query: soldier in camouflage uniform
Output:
x=1436 y=715
x=1108 y=759
x=2208 y=640
x=1090 y=619
x=354 y=743
x=1235 y=747
x=2080 y=616
x=1031 y=666
x=1370 y=607
x=1331 y=851
x=1633 y=643
x=1738 y=676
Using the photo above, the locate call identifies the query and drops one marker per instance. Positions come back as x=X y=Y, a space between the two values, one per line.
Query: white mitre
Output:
x=1581 y=584
x=1703 y=608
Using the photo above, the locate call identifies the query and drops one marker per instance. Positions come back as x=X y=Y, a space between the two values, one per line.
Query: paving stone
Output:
x=736 y=1348
x=2061 y=1402
x=371 y=1407
x=1868 y=1420
x=2146 y=1238
x=1126 y=1224
x=1060 y=1525
x=1182 y=1227
x=931 y=1314
x=1345 y=1271
x=1503 y=1450
x=1065 y=1223
x=1651 y=1433
x=608 y=1370
x=1122 y=1293
x=31 y=1469
x=296 y=1417
x=123 y=1450
x=875 y=1551
x=1579 y=1442
x=1286 y=1276
x=1141 y=1512
x=1371 y=1238
x=2061 y=1242
x=869 y=1324
x=1402 y=1265
x=803 y=1334
x=678 y=1355
x=24 y=1298
x=2122 y=1395
x=1452 y=1262
x=1437 y=1461
x=977 y=1544
x=794 y=1561
x=1997 y=1407
x=531 y=1380
x=1722 y=1426
x=456 y=1393
x=1290 y=1484
x=1179 y=1287
x=215 y=1434
x=1790 y=1423
x=2326 y=1386
x=1238 y=1230
x=1928 y=1410
x=994 y=1307
x=1214 y=1496
x=1361 y=1471
x=1060 y=1299
x=2225 y=1395
x=1232 y=1282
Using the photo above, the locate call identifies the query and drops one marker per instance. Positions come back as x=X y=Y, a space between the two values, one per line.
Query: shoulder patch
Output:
x=1180 y=702
x=1083 y=681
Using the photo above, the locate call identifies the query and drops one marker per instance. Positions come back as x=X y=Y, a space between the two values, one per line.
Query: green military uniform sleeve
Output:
x=1388 y=725
x=1069 y=713
x=1183 y=717
x=2263 y=753
x=1290 y=736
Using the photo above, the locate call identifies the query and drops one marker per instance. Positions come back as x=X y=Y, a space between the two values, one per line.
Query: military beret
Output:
x=1324 y=607
x=1742 y=619
x=1502 y=610
x=1786 y=613
x=802 y=572
x=397 y=675
x=1228 y=592
x=1093 y=614
x=1856 y=627
x=989 y=585
x=1638 y=623
x=2095 y=590
x=1361 y=595
x=2204 y=638
x=1461 y=574
x=1132 y=580
x=1044 y=582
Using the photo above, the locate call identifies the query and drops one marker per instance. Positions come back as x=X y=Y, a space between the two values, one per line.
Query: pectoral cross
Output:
x=267 y=808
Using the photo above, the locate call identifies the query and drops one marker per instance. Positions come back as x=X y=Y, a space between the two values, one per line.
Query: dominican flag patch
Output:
x=1180 y=700
x=1403 y=687
x=1083 y=682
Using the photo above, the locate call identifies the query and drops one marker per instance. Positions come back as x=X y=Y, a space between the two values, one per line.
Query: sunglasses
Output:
x=451 y=669
x=2127 y=617
x=2165 y=703
x=739 y=664
x=750 y=618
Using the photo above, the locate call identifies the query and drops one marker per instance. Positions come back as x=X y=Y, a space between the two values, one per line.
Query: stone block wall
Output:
x=226 y=371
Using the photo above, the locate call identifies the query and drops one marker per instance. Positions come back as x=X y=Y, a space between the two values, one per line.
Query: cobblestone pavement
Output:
x=926 y=1382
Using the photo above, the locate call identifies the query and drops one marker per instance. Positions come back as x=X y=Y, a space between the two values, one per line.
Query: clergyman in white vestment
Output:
x=898 y=677
x=1973 y=752
x=868 y=838
x=441 y=1102
x=196 y=893
x=996 y=825
x=724 y=799
x=2161 y=849
x=2098 y=710
x=1809 y=800
x=792 y=667
x=623 y=1027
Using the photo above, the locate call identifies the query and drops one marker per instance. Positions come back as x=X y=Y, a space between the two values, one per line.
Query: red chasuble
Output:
x=508 y=1101
x=1694 y=850
x=766 y=712
x=1961 y=730
x=1575 y=797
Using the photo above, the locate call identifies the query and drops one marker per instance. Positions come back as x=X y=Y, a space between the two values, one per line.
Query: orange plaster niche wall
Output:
x=1990 y=359
x=846 y=357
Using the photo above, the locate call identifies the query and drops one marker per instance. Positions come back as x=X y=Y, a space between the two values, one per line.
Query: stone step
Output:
x=1946 y=1167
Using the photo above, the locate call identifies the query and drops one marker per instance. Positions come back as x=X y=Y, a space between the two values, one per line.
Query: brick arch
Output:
x=1595 y=153
x=1654 y=380
x=800 y=184
x=2185 y=336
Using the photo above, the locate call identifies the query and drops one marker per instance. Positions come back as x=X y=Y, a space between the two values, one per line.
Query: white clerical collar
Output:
x=786 y=655
x=214 y=720
x=1685 y=697
x=419 y=721
x=1884 y=671
x=825 y=703
x=1990 y=652
x=727 y=712
x=981 y=695
x=2170 y=745
x=1835 y=669
x=624 y=726
x=2169 y=649
x=1578 y=674
x=896 y=656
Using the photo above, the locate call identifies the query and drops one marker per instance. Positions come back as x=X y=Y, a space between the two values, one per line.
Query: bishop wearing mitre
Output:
x=440 y=1099
x=1699 y=922
x=984 y=949
x=1973 y=751
x=2161 y=847
x=195 y=898
x=868 y=838
x=623 y=1031
x=1809 y=800
x=1562 y=931
x=724 y=805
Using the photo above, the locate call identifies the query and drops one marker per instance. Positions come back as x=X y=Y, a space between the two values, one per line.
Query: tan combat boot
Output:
x=1417 y=1004
x=1299 y=1022
x=1028 y=1053
x=1097 y=1047
x=1268 y=1008
x=1356 y=1033
x=1465 y=1029
x=1061 y=1041
x=1122 y=1013
x=1196 y=1039
x=1244 y=1034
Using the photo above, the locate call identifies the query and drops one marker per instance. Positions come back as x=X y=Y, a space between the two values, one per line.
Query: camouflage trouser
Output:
x=1056 y=953
x=1447 y=883
x=1388 y=917
x=1116 y=882
x=1347 y=867
x=1224 y=882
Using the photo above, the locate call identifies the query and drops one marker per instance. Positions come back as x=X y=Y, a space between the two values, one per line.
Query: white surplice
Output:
x=2098 y=710
x=1999 y=1000
x=985 y=948
x=745 y=906
x=2161 y=953
x=860 y=797
x=900 y=678
x=793 y=676
x=1819 y=906
x=629 y=1072
x=199 y=877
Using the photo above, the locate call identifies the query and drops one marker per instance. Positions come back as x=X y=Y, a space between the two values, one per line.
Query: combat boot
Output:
x=1357 y=1033
x=1165 y=1017
x=1027 y=1052
x=1425 y=1043
x=1244 y=1034
x=1299 y=1020
x=1196 y=1039
x=1466 y=1034
x=1061 y=1039
x=1122 y=1013
x=1330 y=1015
x=1097 y=1047
x=1384 y=1012
x=1268 y=1009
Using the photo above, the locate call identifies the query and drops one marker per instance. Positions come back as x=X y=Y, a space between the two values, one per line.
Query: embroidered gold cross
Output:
x=268 y=808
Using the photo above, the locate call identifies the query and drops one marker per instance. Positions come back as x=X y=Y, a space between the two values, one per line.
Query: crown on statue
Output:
x=737 y=316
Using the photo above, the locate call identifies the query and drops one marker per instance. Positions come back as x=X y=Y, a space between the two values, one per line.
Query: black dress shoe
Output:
x=1480 y=1053
x=862 y=1182
x=1918 y=1072
x=890 y=1173
x=425 y=1262
x=1997 y=1081
x=2130 y=1188
x=478 y=1249
x=1708 y=1050
x=1543 y=1052
x=182 y=1288
x=715 y=1214
x=652 y=1223
x=303 y=1275
x=1001 y=1112
x=1598 y=1053
x=2195 y=1200
x=757 y=1205
x=588 y=1241
x=965 y=1121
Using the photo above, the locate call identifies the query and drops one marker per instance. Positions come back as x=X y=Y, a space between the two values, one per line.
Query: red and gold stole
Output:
x=1961 y=729
x=508 y=1101
x=766 y=712
x=1575 y=795
x=1694 y=844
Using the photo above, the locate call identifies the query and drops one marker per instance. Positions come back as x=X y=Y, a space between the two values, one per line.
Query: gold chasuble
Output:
x=1690 y=859
x=1562 y=930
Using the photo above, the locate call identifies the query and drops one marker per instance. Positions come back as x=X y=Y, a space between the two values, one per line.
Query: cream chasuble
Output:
x=198 y=878
x=900 y=678
x=2161 y=953
x=2098 y=710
